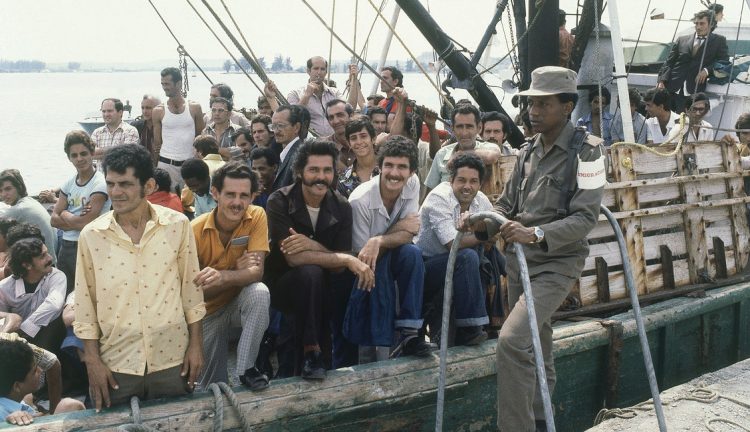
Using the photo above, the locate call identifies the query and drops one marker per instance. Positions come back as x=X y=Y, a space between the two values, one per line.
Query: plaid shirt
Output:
x=123 y=134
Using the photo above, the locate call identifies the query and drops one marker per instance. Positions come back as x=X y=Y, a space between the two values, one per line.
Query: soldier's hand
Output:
x=513 y=231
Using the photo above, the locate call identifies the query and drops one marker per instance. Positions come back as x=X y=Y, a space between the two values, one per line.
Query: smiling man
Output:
x=82 y=199
x=385 y=221
x=137 y=309
x=232 y=242
x=311 y=235
x=339 y=113
x=439 y=216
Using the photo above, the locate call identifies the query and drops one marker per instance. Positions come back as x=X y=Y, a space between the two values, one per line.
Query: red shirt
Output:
x=166 y=199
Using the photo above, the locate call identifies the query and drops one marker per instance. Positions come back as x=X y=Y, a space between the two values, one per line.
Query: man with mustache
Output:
x=82 y=199
x=339 y=113
x=385 y=221
x=33 y=297
x=495 y=127
x=310 y=228
x=439 y=215
x=232 y=242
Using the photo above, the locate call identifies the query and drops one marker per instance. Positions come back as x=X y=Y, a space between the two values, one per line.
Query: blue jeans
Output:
x=468 y=292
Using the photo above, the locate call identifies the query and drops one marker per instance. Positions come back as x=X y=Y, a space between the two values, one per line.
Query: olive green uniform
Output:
x=554 y=265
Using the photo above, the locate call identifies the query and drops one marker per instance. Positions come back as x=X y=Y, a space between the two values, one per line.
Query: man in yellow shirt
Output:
x=137 y=309
x=232 y=242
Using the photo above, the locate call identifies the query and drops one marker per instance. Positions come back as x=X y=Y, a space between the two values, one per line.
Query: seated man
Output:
x=32 y=299
x=232 y=242
x=384 y=223
x=163 y=194
x=311 y=233
x=22 y=365
x=197 y=177
x=25 y=208
x=661 y=118
x=439 y=216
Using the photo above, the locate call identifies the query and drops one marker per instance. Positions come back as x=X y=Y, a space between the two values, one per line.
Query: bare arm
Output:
x=77 y=222
x=270 y=90
x=195 y=109
x=354 y=87
x=430 y=117
x=397 y=123
x=213 y=281
x=54 y=385
x=156 y=116
x=56 y=219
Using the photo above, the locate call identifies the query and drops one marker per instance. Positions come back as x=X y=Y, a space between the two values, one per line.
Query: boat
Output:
x=683 y=210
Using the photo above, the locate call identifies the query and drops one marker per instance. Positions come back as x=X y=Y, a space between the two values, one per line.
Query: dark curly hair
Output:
x=77 y=137
x=22 y=230
x=23 y=252
x=399 y=146
x=467 y=160
x=122 y=157
x=16 y=361
x=234 y=170
x=314 y=148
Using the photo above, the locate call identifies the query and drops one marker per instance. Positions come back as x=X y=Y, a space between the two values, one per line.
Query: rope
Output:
x=179 y=45
x=408 y=51
x=225 y=47
x=217 y=389
x=242 y=35
x=700 y=394
x=366 y=45
x=523 y=36
x=137 y=425
x=683 y=125
x=731 y=70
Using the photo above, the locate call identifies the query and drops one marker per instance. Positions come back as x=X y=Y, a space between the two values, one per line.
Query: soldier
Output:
x=551 y=225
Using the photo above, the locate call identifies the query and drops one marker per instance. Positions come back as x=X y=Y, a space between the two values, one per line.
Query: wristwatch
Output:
x=539 y=233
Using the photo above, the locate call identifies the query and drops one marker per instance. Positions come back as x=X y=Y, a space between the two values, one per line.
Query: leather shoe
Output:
x=313 y=368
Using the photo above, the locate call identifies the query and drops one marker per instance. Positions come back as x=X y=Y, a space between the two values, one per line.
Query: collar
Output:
x=213 y=157
x=297 y=203
x=211 y=219
x=562 y=141
x=159 y=216
x=119 y=126
x=20 y=286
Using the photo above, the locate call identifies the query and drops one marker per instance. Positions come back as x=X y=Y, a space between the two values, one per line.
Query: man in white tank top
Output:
x=176 y=125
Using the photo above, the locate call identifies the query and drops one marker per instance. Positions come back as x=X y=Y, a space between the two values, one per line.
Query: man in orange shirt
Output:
x=232 y=242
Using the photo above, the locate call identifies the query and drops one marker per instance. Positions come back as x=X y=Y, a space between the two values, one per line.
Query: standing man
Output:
x=220 y=127
x=385 y=221
x=224 y=91
x=82 y=199
x=566 y=40
x=316 y=94
x=137 y=309
x=114 y=132
x=391 y=79
x=289 y=130
x=311 y=235
x=661 y=119
x=232 y=243
x=691 y=60
x=553 y=238
x=439 y=216
x=639 y=122
x=379 y=119
x=697 y=129
x=145 y=124
x=338 y=114
x=176 y=125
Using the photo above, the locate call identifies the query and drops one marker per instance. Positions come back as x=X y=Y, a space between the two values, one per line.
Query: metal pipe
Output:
x=488 y=32
x=630 y=284
x=386 y=48
x=622 y=79
x=447 y=299
x=499 y=219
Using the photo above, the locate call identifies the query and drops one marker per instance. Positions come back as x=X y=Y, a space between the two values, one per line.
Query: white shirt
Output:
x=705 y=133
x=39 y=308
x=653 y=129
x=287 y=148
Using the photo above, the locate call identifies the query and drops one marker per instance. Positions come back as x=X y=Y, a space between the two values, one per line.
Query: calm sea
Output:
x=38 y=109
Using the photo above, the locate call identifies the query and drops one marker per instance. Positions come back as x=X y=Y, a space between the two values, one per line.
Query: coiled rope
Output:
x=218 y=423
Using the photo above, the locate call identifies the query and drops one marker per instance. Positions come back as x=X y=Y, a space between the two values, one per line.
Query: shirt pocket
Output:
x=550 y=189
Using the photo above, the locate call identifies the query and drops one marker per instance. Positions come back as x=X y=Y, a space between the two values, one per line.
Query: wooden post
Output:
x=667 y=267
x=735 y=188
x=695 y=229
x=602 y=280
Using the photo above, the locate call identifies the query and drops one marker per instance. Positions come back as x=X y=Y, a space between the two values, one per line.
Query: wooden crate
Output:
x=683 y=216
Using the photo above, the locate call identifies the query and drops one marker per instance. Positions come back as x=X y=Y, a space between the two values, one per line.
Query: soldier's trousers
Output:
x=519 y=402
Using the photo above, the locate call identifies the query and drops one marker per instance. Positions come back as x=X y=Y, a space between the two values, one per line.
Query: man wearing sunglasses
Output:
x=696 y=108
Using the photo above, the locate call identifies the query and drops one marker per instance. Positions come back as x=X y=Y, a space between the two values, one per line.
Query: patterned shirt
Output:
x=317 y=107
x=138 y=299
x=123 y=134
x=225 y=140
x=43 y=358
x=439 y=215
x=439 y=169
x=349 y=180
x=39 y=308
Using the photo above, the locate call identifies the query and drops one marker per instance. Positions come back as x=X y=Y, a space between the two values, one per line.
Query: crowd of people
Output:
x=315 y=233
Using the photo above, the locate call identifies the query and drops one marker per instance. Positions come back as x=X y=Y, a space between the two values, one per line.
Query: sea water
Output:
x=38 y=109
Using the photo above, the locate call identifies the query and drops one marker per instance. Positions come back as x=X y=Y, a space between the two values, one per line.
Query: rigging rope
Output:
x=330 y=41
x=366 y=45
x=523 y=36
x=225 y=47
x=179 y=45
x=649 y=149
x=408 y=51
x=239 y=30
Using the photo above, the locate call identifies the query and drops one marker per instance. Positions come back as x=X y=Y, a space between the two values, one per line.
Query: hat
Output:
x=551 y=80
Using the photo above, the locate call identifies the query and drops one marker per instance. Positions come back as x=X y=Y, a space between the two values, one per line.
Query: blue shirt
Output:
x=8 y=406
x=606 y=122
x=204 y=203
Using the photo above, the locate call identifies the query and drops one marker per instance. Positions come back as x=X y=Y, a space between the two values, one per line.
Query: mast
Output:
x=519 y=16
x=544 y=39
x=459 y=65
x=386 y=47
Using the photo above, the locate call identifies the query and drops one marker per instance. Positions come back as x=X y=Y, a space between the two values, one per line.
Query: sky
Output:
x=126 y=31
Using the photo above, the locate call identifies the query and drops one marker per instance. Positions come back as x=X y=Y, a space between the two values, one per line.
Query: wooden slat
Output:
x=695 y=230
